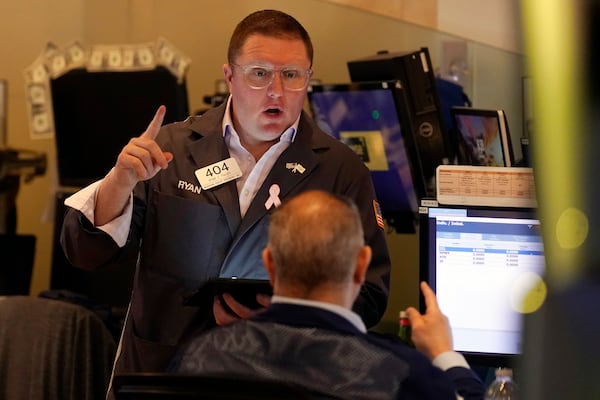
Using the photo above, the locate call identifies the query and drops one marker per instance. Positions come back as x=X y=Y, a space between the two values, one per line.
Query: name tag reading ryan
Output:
x=218 y=173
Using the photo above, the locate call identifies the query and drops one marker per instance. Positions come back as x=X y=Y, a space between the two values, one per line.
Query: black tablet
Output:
x=243 y=290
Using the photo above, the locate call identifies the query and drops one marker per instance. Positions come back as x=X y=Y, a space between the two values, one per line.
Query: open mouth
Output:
x=273 y=111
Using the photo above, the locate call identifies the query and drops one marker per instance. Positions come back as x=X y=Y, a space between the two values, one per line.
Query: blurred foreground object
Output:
x=561 y=40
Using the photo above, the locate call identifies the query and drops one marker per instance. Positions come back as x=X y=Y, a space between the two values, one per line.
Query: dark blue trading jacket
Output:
x=325 y=353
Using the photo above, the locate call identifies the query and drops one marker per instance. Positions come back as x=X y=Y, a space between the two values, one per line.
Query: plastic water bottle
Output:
x=503 y=387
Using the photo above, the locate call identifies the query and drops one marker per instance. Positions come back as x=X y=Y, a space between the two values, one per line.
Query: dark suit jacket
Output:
x=323 y=352
x=189 y=235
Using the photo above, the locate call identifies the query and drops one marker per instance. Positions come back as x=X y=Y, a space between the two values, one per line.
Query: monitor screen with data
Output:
x=486 y=266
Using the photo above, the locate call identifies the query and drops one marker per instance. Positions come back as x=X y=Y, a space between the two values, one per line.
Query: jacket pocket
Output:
x=185 y=239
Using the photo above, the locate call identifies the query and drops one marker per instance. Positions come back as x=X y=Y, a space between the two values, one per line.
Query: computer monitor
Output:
x=97 y=113
x=486 y=266
x=370 y=117
x=482 y=136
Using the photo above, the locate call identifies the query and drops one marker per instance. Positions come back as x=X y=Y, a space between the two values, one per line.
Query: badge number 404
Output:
x=218 y=173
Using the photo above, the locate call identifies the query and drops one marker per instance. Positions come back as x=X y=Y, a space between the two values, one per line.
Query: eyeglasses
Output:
x=260 y=76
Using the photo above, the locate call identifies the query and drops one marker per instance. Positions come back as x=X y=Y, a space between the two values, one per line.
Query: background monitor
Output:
x=415 y=70
x=486 y=266
x=369 y=117
x=482 y=136
x=96 y=113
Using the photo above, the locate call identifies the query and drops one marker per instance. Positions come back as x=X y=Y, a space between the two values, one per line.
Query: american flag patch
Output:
x=378 y=216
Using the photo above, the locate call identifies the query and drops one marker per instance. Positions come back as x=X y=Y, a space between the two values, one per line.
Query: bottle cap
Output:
x=504 y=372
x=403 y=314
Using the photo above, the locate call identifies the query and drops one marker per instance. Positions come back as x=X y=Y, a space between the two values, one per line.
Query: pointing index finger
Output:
x=156 y=123
x=429 y=295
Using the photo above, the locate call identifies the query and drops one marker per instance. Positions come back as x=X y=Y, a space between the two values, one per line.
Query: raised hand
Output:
x=431 y=332
x=139 y=160
x=142 y=158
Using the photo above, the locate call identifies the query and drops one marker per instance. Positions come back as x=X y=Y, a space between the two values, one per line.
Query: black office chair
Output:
x=150 y=386
x=52 y=350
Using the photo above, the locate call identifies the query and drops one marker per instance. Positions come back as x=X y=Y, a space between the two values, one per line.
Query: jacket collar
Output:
x=306 y=316
x=208 y=147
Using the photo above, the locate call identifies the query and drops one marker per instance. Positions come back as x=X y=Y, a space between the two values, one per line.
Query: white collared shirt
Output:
x=253 y=172
x=253 y=176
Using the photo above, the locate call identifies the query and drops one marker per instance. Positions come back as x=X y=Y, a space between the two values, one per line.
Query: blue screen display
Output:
x=366 y=117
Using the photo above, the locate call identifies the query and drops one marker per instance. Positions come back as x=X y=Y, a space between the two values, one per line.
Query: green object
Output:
x=404 y=329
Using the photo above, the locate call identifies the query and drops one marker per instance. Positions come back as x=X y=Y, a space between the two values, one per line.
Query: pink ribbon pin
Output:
x=273 y=199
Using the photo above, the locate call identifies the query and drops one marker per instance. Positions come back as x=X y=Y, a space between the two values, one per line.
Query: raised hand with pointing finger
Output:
x=140 y=160
x=431 y=332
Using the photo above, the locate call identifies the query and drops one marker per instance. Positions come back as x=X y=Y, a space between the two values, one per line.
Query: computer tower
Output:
x=415 y=71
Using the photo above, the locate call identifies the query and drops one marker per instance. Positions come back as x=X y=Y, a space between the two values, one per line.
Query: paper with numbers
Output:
x=485 y=186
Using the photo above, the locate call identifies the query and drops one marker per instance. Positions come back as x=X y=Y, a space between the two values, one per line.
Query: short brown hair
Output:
x=271 y=23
